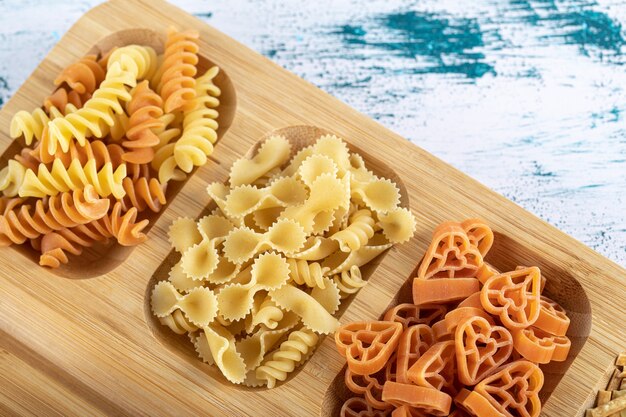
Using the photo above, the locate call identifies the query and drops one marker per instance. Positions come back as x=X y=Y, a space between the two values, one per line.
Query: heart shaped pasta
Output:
x=445 y=329
x=431 y=401
x=409 y=314
x=538 y=346
x=552 y=318
x=514 y=297
x=479 y=233
x=368 y=345
x=358 y=407
x=443 y=290
x=368 y=386
x=514 y=389
x=450 y=254
x=480 y=348
x=414 y=342
x=436 y=368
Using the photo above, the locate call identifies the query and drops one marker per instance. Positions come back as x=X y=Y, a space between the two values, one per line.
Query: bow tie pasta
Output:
x=281 y=251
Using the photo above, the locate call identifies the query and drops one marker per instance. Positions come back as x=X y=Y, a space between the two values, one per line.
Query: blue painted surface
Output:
x=527 y=96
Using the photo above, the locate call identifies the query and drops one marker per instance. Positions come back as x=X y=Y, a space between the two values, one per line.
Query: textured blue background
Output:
x=526 y=96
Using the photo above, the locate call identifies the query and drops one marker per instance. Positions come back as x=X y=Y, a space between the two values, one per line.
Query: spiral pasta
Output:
x=291 y=352
x=65 y=102
x=143 y=193
x=198 y=136
x=11 y=178
x=349 y=282
x=125 y=66
x=124 y=227
x=175 y=81
x=101 y=151
x=145 y=110
x=267 y=314
x=303 y=273
x=82 y=76
x=61 y=211
x=60 y=179
x=97 y=150
x=358 y=232
x=31 y=125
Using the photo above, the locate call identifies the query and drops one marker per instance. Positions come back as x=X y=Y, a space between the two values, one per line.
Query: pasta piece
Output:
x=253 y=348
x=291 y=353
x=350 y=281
x=181 y=281
x=327 y=194
x=273 y=153
x=303 y=273
x=183 y=234
x=200 y=260
x=327 y=295
x=246 y=199
x=175 y=78
x=169 y=131
x=199 y=133
x=199 y=125
x=215 y=227
x=343 y=261
x=29 y=125
x=199 y=305
x=125 y=67
x=221 y=344
x=144 y=110
x=336 y=149
x=314 y=316
x=359 y=231
x=143 y=193
x=316 y=248
x=101 y=152
x=64 y=102
x=265 y=218
x=267 y=313
x=450 y=254
x=284 y=236
x=82 y=76
x=60 y=179
x=314 y=166
x=123 y=227
x=178 y=323
x=379 y=194
x=398 y=225
x=11 y=178
x=64 y=210
x=28 y=158
x=268 y=272
x=201 y=345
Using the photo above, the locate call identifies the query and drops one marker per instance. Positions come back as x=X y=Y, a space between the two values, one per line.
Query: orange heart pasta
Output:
x=471 y=341
x=88 y=172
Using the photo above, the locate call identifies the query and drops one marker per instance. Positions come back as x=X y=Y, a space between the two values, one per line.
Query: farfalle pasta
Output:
x=469 y=343
x=281 y=251
x=102 y=149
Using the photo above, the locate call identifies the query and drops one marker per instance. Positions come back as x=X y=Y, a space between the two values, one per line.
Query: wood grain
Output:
x=88 y=346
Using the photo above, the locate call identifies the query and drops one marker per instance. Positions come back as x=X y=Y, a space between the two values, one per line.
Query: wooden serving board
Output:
x=81 y=340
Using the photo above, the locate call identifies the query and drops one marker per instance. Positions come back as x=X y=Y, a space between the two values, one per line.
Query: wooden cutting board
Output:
x=81 y=340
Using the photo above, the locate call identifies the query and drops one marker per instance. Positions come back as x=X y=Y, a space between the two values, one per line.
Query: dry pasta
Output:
x=282 y=250
x=93 y=166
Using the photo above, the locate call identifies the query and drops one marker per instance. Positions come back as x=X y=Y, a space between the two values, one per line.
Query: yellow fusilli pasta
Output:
x=291 y=353
x=60 y=179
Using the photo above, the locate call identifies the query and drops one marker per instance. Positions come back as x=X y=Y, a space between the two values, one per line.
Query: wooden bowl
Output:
x=91 y=346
